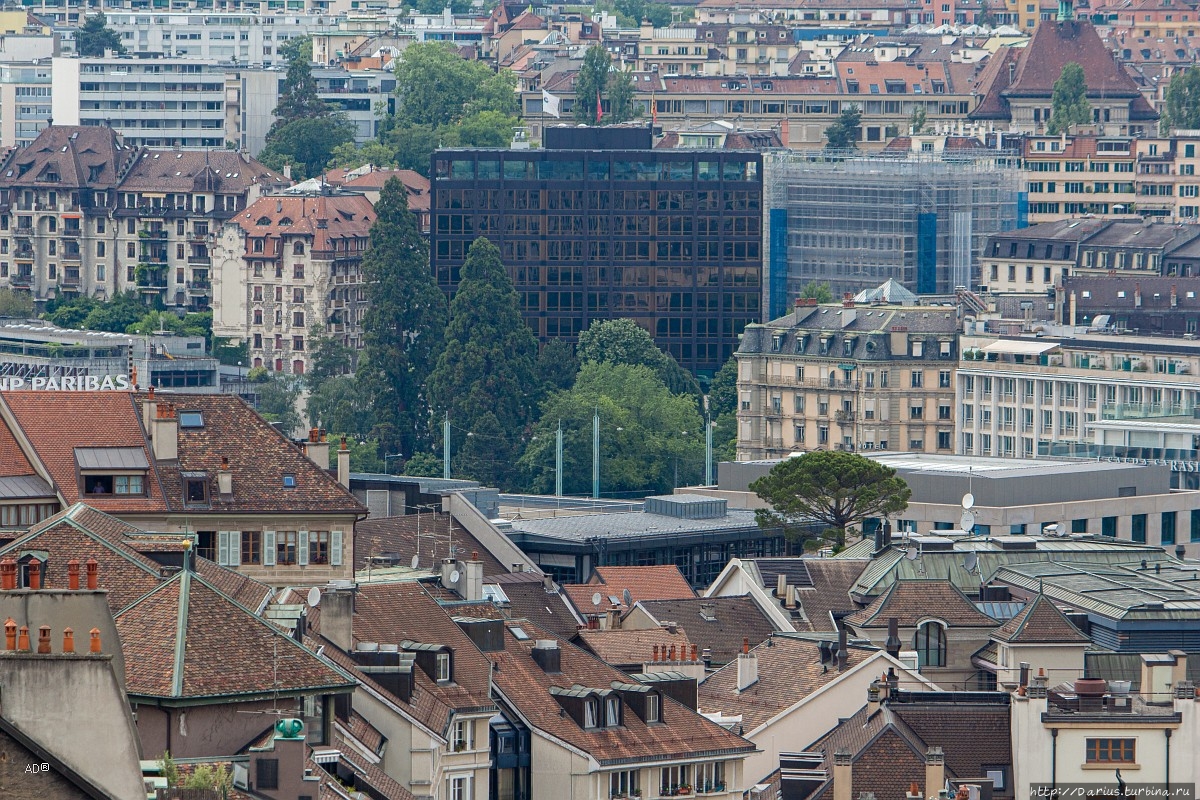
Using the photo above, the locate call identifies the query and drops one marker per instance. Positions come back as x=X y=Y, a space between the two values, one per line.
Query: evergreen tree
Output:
x=1069 y=104
x=1183 y=101
x=486 y=453
x=489 y=362
x=299 y=99
x=623 y=341
x=402 y=329
x=591 y=81
x=94 y=37
x=843 y=133
x=557 y=366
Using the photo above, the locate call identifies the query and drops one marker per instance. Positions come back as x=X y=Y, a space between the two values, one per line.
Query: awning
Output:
x=1021 y=347
x=111 y=458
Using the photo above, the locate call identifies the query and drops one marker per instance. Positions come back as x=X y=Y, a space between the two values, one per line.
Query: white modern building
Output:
x=151 y=102
x=24 y=102
x=243 y=37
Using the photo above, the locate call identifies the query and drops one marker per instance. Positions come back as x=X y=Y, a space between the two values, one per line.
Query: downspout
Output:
x=1168 y=759
x=1053 y=762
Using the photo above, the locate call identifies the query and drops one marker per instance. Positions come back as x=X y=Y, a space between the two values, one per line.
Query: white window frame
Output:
x=462 y=736
x=442 y=665
x=459 y=787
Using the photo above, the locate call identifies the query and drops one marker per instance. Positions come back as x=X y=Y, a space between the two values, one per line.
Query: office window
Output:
x=1079 y=526
x=1108 y=527
x=1167 y=535
x=1110 y=751
x=1137 y=527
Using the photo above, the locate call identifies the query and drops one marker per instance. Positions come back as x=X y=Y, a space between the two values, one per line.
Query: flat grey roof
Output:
x=111 y=458
x=990 y=467
x=629 y=524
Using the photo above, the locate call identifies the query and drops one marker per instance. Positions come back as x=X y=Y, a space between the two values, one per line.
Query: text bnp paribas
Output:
x=81 y=383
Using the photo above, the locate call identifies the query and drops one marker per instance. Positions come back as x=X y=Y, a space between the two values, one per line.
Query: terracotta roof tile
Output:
x=912 y=601
x=624 y=648
x=187 y=639
x=327 y=219
x=716 y=623
x=525 y=686
x=238 y=586
x=222 y=171
x=529 y=599
x=1040 y=621
x=663 y=582
x=377 y=536
x=788 y=670
x=82 y=157
x=829 y=594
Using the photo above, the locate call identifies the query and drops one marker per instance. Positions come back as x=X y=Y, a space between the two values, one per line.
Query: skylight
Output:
x=191 y=419
x=519 y=634
x=289 y=481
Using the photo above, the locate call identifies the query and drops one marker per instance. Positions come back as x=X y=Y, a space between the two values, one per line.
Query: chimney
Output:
x=935 y=770
x=164 y=433
x=1137 y=295
x=8 y=574
x=473 y=588
x=35 y=574
x=1179 y=668
x=44 y=640
x=842 y=775
x=317 y=448
x=287 y=171
x=1074 y=309
x=224 y=479
x=547 y=581
x=1174 y=295
x=337 y=614
x=747 y=667
x=914 y=792
x=613 y=618
x=893 y=638
x=449 y=566
x=781 y=585
x=848 y=313
x=93 y=574
x=547 y=655
x=73 y=574
x=842 y=653
x=149 y=409
x=343 y=465
x=874 y=693
x=1024 y=674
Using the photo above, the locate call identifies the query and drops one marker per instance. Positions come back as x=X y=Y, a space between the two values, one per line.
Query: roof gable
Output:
x=1040 y=622
x=914 y=601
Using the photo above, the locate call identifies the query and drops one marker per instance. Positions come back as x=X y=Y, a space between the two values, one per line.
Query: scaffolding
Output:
x=854 y=220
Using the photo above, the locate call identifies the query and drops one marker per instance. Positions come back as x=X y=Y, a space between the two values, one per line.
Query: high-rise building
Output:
x=598 y=225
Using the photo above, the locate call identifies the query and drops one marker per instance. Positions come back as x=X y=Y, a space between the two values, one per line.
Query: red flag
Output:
x=599 y=110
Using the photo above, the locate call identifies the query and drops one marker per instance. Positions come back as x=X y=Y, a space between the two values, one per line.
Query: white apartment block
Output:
x=246 y=37
x=150 y=102
x=1080 y=395
x=24 y=102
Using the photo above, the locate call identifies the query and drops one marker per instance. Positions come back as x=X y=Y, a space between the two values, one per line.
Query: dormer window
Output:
x=443 y=667
x=111 y=470
x=612 y=711
x=653 y=712
x=591 y=713
x=195 y=488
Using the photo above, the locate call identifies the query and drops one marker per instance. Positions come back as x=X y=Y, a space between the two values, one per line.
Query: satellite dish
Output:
x=314 y=597
x=968 y=500
x=596 y=599
x=912 y=553
x=627 y=597
x=967 y=521
x=454 y=576
x=971 y=561
x=416 y=559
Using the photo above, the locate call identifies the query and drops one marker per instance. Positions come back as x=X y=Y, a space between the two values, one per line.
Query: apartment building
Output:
x=151 y=102
x=24 y=102
x=243 y=37
x=848 y=377
x=1087 y=395
x=82 y=212
x=1034 y=260
x=285 y=264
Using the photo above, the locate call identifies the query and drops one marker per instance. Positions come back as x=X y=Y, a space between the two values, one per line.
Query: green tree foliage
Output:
x=435 y=86
x=632 y=12
x=341 y=404
x=15 y=304
x=298 y=98
x=486 y=453
x=402 y=329
x=414 y=145
x=817 y=291
x=722 y=391
x=623 y=341
x=484 y=129
x=436 y=6
x=69 y=312
x=306 y=144
x=557 y=365
x=116 y=315
x=364 y=454
x=489 y=362
x=424 y=465
x=229 y=352
x=94 y=37
x=844 y=132
x=834 y=488
x=590 y=83
x=918 y=120
x=277 y=397
x=642 y=438
x=352 y=156
x=1069 y=104
x=1182 y=109
x=619 y=89
x=193 y=323
x=328 y=358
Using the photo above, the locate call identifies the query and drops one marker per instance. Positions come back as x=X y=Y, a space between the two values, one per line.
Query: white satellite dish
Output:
x=912 y=553
x=314 y=597
x=627 y=597
x=596 y=599
x=967 y=521
x=968 y=500
x=971 y=561
x=416 y=559
x=454 y=576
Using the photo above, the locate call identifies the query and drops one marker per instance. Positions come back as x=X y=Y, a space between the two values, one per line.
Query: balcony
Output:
x=773 y=443
x=22 y=279
x=149 y=278
x=199 y=260
x=71 y=233
x=69 y=278
x=198 y=288
x=1120 y=411
x=844 y=417
x=25 y=253
x=74 y=256
x=153 y=234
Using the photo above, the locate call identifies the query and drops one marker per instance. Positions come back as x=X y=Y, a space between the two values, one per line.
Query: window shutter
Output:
x=268 y=558
x=223 y=548
x=302 y=547
x=335 y=548
x=235 y=548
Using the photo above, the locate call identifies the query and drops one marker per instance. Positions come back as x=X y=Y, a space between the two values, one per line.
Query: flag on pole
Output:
x=550 y=104
x=599 y=110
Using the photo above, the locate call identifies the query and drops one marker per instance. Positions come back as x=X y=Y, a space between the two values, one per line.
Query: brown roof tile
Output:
x=377 y=536
x=643 y=582
x=525 y=686
x=186 y=639
x=1040 y=621
x=328 y=219
x=222 y=171
x=529 y=599
x=237 y=586
x=788 y=671
x=829 y=594
x=912 y=601
x=623 y=648
x=82 y=157
x=716 y=623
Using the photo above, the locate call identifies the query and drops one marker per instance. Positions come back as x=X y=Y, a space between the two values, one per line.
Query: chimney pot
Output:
x=68 y=640
x=44 y=640
x=8 y=574
x=474 y=555
x=94 y=647
x=35 y=574
x=73 y=574
x=694 y=652
x=10 y=634
x=656 y=653
x=23 y=639
x=93 y=574
x=746 y=644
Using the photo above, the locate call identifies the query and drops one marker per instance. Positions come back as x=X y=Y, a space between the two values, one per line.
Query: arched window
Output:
x=298 y=248
x=930 y=644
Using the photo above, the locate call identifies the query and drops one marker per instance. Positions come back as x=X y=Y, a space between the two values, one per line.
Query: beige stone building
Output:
x=847 y=377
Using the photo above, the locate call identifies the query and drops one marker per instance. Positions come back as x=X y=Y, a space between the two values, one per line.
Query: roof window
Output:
x=289 y=481
x=191 y=419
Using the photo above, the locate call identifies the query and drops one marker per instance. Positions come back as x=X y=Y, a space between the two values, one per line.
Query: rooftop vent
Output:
x=686 y=506
x=933 y=544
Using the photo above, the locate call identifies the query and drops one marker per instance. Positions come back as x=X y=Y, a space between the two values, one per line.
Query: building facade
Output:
x=597 y=225
x=848 y=377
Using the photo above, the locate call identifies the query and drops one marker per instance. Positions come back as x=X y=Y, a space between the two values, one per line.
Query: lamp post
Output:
x=389 y=458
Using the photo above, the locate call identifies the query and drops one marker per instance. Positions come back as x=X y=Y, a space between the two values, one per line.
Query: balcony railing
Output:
x=198 y=287
x=199 y=260
x=22 y=279
x=1119 y=411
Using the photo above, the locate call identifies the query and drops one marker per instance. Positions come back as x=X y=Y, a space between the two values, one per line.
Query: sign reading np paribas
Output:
x=80 y=383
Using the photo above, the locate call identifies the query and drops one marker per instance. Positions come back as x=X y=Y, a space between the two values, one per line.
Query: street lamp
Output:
x=390 y=457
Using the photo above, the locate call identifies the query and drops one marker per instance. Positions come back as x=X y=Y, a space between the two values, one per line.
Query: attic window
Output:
x=652 y=712
x=191 y=419
x=285 y=221
x=263 y=221
x=443 y=667
x=289 y=481
x=195 y=487
x=519 y=634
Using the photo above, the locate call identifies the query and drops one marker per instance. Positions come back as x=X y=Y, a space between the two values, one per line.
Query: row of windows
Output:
x=271 y=548
x=492 y=169
x=595 y=199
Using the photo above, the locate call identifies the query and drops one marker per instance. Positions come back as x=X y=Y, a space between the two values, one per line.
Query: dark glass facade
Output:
x=671 y=239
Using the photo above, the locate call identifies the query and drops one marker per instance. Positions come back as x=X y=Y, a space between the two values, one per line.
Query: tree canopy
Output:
x=94 y=37
x=643 y=444
x=844 y=132
x=590 y=83
x=15 y=304
x=1069 y=104
x=623 y=341
x=298 y=98
x=817 y=291
x=1182 y=109
x=307 y=145
x=435 y=86
x=835 y=488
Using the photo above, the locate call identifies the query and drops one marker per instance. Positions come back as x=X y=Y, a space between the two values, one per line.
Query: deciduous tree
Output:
x=1069 y=104
x=844 y=132
x=590 y=83
x=1182 y=101
x=623 y=341
x=834 y=488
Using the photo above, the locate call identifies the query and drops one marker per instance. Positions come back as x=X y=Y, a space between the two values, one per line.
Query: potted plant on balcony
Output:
x=636 y=793
x=685 y=788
